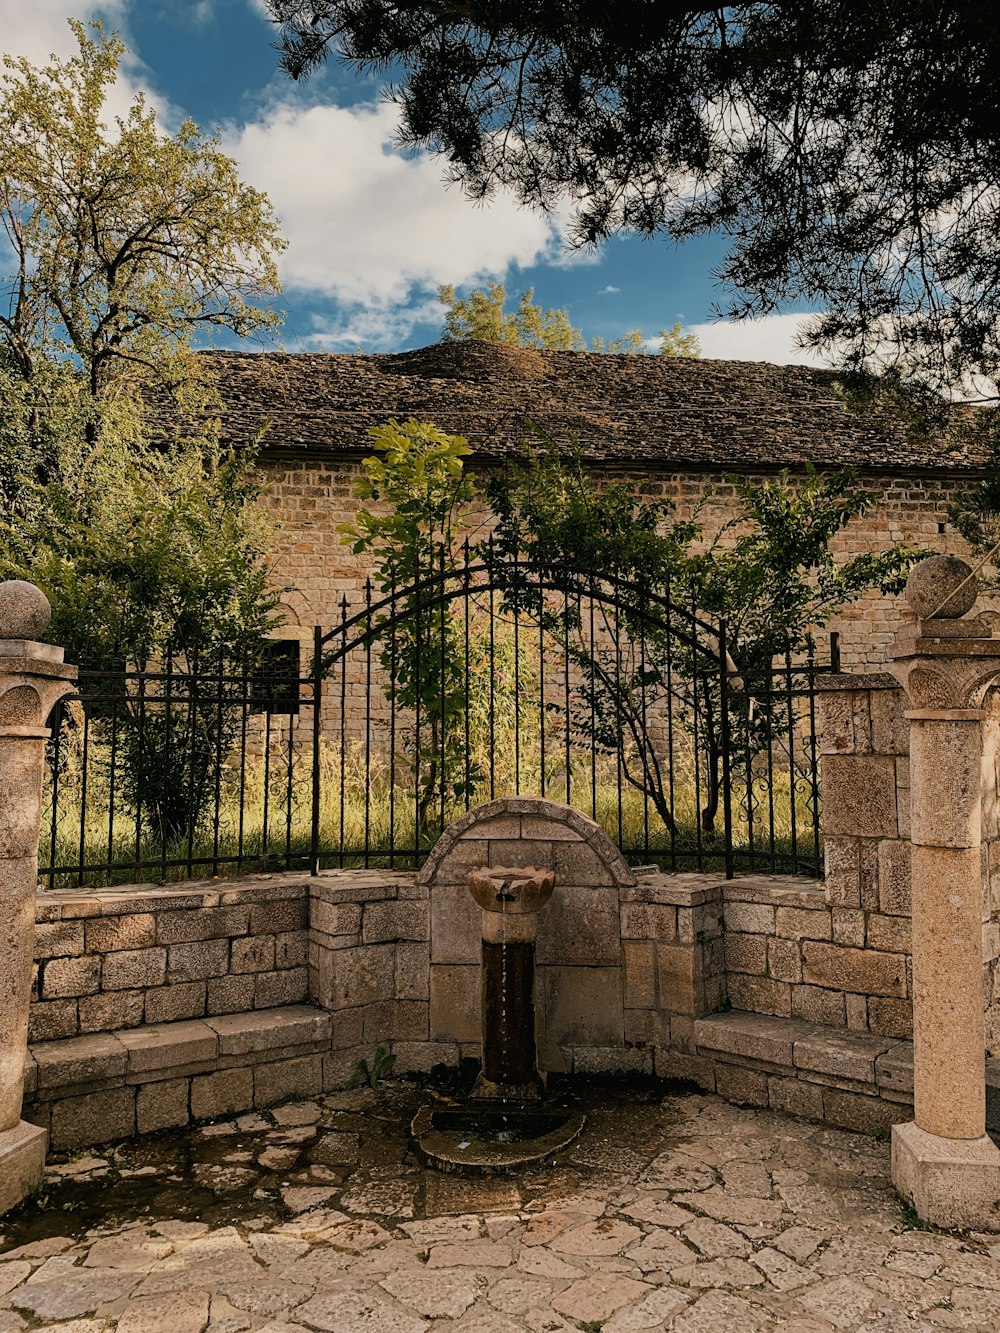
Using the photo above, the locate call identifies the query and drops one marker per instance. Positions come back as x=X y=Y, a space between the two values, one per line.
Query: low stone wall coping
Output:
x=862 y=680
x=71 y=904
x=110 y=1085
x=777 y=890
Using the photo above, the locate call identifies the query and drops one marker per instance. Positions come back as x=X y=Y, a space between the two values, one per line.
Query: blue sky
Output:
x=371 y=231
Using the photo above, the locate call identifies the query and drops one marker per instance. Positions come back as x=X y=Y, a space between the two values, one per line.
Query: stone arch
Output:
x=527 y=830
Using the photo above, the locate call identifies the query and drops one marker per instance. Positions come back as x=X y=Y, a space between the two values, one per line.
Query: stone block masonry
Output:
x=112 y=959
x=311 y=497
x=111 y=1085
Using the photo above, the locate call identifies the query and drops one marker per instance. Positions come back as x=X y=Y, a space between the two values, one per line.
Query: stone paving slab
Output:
x=673 y=1212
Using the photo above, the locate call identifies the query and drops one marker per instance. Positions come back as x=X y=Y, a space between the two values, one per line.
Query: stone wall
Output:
x=310 y=498
x=111 y=959
x=865 y=781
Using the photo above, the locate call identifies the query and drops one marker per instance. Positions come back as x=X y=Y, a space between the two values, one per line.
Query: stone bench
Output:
x=845 y=1078
x=111 y=1085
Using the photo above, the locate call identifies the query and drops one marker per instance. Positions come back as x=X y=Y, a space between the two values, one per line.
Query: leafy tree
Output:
x=850 y=153
x=483 y=314
x=122 y=244
x=660 y=585
x=418 y=474
x=148 y=558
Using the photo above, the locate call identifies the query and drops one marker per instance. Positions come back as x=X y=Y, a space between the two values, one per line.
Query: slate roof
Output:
x=656 y=411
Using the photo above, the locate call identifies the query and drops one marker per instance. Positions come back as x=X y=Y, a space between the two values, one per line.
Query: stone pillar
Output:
x=943 y=1160
x=33 y=678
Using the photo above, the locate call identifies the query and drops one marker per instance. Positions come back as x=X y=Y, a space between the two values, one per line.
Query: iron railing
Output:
x=359 y=745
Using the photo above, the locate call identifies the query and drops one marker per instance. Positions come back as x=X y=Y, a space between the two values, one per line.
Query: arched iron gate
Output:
x=485 y=679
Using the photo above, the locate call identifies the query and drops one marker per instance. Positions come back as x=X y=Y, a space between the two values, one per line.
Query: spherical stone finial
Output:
x=24 y=610
x=942 y=587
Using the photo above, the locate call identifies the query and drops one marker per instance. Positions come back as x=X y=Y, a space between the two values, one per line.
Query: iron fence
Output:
x=357 y=747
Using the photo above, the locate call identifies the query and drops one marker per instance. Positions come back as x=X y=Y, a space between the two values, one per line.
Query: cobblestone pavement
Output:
x=671 y=1212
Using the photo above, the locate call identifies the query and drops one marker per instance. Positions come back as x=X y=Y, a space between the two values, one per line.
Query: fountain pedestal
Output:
x=511 y=899
x=495 y=1132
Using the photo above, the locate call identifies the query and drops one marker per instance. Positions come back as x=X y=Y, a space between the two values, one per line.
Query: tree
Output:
x=417 y=475
x=483 y=314
x=153 y=560
x=660 y=587
x=850 y=153
x=123 y=244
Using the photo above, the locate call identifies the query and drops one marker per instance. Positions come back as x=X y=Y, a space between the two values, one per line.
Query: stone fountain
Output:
x=504 y=1125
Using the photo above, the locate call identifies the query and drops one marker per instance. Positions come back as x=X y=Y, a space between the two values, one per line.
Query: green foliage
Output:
x=848 y=154
x=483 y=314
x=116 y=262
x=147 y=557
x=373 y=1075
x=122 y=244
x=418 y=475
x=769 y=574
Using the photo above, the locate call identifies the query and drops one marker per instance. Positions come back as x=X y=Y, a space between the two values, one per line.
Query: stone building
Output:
x=682 y=427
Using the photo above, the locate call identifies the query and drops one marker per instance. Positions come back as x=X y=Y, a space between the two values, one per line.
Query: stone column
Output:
x=33 y=678
x=943 y=1160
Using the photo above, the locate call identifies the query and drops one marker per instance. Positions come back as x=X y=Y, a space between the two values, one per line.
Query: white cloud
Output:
x=769 y=339
x=38 y=29
x=202 y=13
x=608 y=290
x=382 y=328
x=370 y=225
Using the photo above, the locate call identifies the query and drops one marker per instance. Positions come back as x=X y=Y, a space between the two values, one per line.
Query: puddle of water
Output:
x=214 y=1174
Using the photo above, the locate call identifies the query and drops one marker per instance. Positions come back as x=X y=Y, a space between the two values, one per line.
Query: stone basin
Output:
x=514 y=889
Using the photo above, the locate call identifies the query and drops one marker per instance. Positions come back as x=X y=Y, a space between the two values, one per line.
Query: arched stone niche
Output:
x=579 y=983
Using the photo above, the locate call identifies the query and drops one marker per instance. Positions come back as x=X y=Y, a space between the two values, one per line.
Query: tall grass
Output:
x=365 y=819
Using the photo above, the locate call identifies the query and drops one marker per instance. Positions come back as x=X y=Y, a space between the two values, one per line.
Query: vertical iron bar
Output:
x=393 y=691
x=790 y=718
x=343 y=717
x=58 y=718
x=671 y=785
x=167 y=701
x=697 y=739
x=417 y=685
x=768 y=668
x=566 y=690
x=541 y=685
x=593 y=708
x=751 y=849
x=139 y=784
x=266 y=843
x=646 y=741
x=244 y=717
x=113 y=769
x=442 y=628
x=468 y=732
x=219 y=726
x=290 y=732
x=517 y=680
x=83 y=795
x=813 y=758
x=368 y=718
x=493 y=674
x=727 y=809
x=193 y=680
x=618 y=706
x=317 y=684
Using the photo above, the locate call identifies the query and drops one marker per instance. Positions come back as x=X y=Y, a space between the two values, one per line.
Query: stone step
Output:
x=819 y=1071
x=110 y=1085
